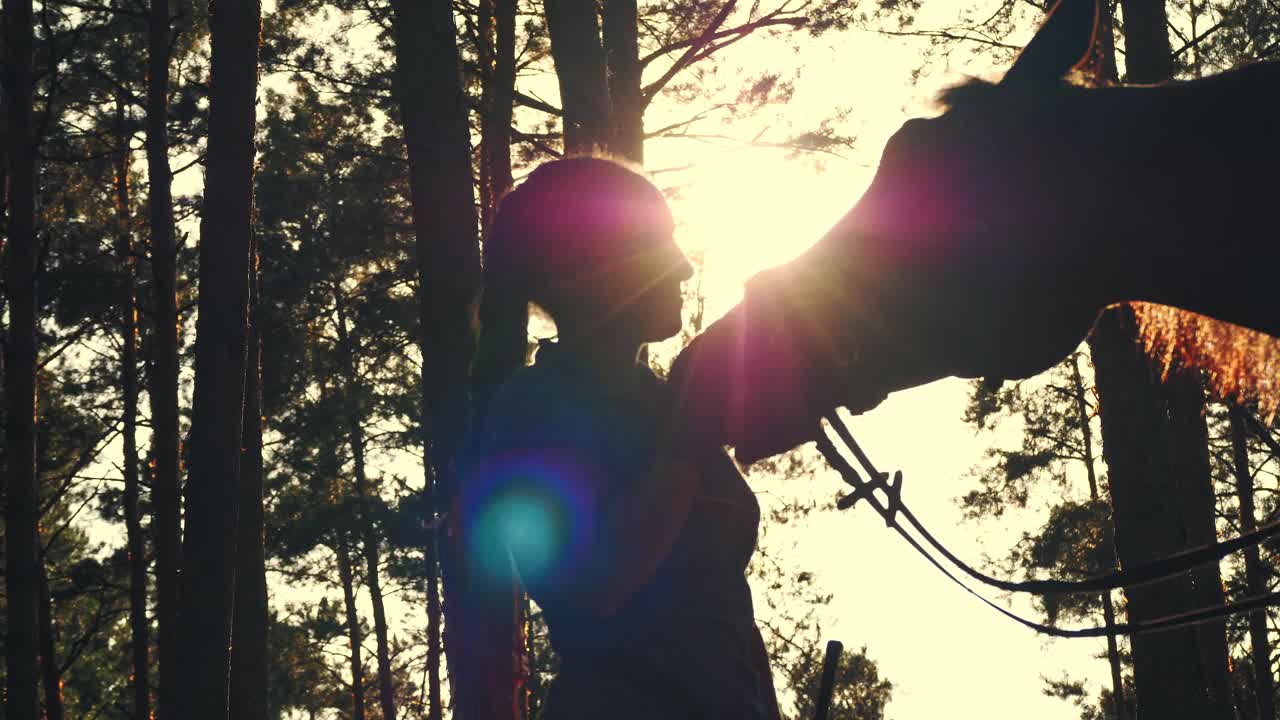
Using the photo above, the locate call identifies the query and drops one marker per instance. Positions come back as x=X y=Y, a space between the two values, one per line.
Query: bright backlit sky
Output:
x=748 y=208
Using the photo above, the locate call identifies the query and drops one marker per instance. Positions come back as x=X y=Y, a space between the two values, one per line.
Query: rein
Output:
x=891 y=508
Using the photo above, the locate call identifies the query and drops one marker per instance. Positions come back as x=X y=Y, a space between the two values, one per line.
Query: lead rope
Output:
x=892 y=507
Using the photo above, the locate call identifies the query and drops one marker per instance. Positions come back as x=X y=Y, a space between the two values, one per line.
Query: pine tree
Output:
x=1058 y=444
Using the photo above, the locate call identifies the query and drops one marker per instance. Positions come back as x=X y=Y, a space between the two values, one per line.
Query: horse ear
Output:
x=1062 y=42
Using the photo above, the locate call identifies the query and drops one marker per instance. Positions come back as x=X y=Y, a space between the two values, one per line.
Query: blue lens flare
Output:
x=535 y=508
x=528 y=526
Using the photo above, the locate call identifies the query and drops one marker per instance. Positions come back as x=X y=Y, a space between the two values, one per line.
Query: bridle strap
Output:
x=892 y=507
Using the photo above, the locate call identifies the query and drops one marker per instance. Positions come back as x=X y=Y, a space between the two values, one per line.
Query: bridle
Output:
x=892 y=508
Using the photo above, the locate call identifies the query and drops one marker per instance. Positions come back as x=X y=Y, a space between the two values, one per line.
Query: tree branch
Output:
x=690 y=54
x=966 y=36
x=1192 y=43
x=744 y=29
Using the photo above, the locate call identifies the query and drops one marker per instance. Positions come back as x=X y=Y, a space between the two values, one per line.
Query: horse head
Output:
x=962 y=258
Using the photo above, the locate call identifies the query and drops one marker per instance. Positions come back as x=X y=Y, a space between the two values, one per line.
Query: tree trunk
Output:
x=163 y=376
x=1148 y=57
x=1106 y=56
x=356 y=441
x=386 y=691
x=1106 y=40
x=1255 y=572
x=353 y=628
x=249 y=627
x=498 y=97
x=139 y=631
x=4 y=159
x=1158 y=466
x=1189 y=457
x=225 y=240
x=627 y=102
x=50 y=671
x=1107 y=550
x=437 y=138
x=21 y=563
x=574 y=28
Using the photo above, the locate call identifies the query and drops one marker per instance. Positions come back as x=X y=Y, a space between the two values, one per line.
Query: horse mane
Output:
x=1239 y=364
x=967 y=92
x=973 y=91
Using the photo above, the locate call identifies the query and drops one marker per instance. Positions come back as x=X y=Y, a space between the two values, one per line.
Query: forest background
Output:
x=761 y=122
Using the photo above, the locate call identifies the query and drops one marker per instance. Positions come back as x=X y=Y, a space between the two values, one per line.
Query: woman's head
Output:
x=590 y=241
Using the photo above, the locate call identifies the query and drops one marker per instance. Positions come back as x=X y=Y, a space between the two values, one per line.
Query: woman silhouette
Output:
x=634 y=543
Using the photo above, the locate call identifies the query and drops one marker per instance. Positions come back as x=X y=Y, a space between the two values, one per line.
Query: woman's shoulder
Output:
x=538 y=403
x=555 y=400
x=537 y=389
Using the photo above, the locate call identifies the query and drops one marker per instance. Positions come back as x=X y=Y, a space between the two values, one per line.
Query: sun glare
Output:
x=748 y=210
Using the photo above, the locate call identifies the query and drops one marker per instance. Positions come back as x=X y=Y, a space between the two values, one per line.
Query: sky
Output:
x=747 y=208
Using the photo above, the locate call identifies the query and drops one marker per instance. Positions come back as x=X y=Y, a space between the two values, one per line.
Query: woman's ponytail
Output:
x=488 y=614
x=503 y=344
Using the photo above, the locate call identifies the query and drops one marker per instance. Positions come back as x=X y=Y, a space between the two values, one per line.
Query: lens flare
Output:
x=533 y=508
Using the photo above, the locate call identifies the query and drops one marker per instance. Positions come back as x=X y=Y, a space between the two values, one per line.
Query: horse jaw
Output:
x=761 y=377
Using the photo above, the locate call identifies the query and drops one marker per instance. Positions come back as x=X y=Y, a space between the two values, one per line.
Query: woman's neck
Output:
x=610 y=361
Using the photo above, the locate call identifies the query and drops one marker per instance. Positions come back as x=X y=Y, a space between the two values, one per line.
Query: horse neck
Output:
x=1187 y=192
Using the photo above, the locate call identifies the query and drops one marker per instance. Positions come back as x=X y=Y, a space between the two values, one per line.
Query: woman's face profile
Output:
x=646 y=288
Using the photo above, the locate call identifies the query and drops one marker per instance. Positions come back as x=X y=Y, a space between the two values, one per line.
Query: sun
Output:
x=749 y=209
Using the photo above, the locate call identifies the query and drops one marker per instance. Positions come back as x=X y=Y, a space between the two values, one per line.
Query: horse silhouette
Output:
x=992 y=236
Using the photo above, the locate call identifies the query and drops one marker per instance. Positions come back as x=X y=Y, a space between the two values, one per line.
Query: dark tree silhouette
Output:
x=50 y=668
x=139 y=628
x=162 y=387
x=249 y=671
x=22 y=574
x=209 y=542
x=436 y=135
x=354 y=634
x=497 y=49
x=355 y=437
x=1255 y=571
x=621 y=28
x=574 y=27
